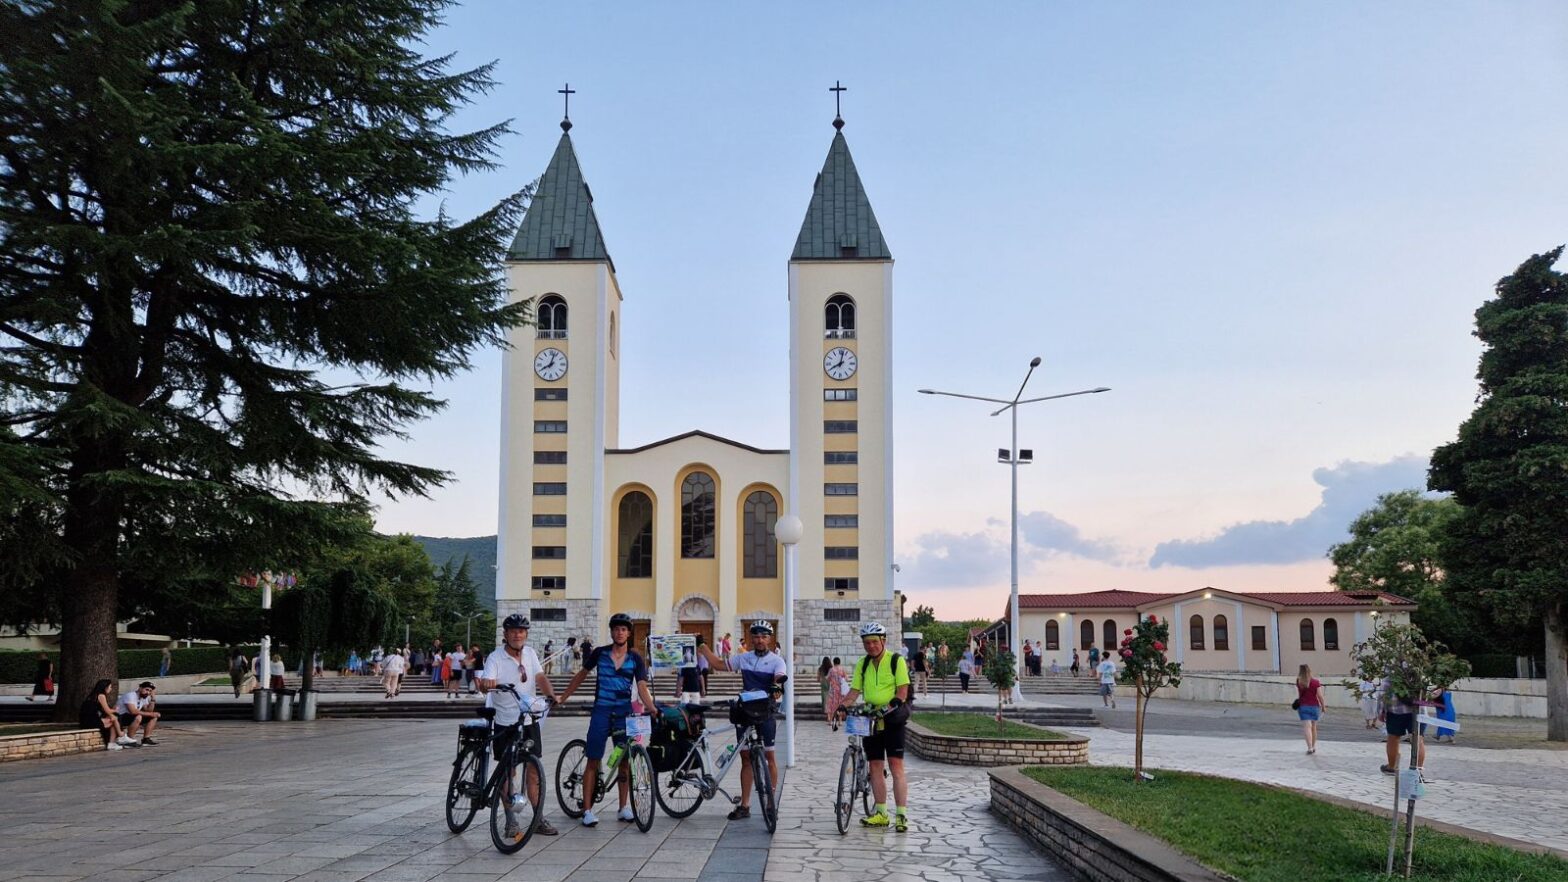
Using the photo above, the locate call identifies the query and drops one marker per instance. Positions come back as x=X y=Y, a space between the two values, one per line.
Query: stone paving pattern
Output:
x=349 y=800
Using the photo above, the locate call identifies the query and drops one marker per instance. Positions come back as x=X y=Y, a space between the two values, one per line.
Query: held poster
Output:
x=672 y=651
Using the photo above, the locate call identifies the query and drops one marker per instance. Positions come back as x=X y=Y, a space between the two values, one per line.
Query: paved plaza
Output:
x=350 y=800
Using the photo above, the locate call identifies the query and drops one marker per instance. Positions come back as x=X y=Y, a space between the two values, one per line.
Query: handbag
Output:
x=49 y=685
x=1295 y=705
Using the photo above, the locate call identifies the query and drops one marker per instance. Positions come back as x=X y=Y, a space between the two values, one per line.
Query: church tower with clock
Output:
x=679 y=532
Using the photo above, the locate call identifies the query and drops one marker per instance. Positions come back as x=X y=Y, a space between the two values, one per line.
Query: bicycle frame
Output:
x=714 y=772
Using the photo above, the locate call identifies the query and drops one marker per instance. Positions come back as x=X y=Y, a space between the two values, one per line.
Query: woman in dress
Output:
x=43 y=678
x=838 y=687
x=97 y=713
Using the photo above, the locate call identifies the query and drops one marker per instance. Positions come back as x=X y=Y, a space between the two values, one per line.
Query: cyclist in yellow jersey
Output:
x=882 y=678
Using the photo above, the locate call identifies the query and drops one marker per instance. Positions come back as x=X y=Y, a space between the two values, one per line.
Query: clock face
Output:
x=550 y=364
x=839 y=363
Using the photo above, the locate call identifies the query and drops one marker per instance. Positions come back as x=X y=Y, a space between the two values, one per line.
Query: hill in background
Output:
x=481 y=559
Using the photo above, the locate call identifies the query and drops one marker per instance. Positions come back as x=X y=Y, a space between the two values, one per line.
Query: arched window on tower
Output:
x=1221 y=633
x=839 y=317
x=551 y=319
x=697 y=515
x=1195 y=633
x=635 y=536
x=1086 y=634
x=760 y=548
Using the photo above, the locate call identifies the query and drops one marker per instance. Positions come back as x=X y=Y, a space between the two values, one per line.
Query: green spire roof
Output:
x=839 y=222
x=560 y=223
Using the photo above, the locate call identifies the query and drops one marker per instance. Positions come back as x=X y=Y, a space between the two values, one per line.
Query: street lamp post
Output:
x=789 y=531
x=1013 y=459
x=470 y=626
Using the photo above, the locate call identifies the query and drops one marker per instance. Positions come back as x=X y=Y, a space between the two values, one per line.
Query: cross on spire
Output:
x=838 y=113
x=566 y=113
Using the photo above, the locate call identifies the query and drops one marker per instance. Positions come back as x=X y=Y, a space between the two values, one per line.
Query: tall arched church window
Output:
x=635 y=536
x=697 y=515
x=1086 y=634
x=1330 y=634
x=1110 y=636
x=551 y=319
x=760 y=548
x=1053 y=635
x=839 y=317
x=1195 y=633
x=1221 y=633
x=1308 y=641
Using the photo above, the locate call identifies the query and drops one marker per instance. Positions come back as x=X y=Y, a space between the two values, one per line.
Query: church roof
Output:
x=840 y=224
x=560 y=223
x=695 y=433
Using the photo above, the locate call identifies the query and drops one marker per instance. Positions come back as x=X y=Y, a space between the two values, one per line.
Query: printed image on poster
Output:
x=672 y=651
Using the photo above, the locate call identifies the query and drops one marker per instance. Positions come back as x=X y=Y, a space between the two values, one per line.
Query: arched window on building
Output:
x=1053 y=635
x=1330 y=634
x=758 y=545
x=551 y=319
x=1221 y=633
x=697 y=515
x=1195 y=632
x=1308 y=641
x=634 y=539
x=1110 y=632
x=839 y=317
x=1086 y=634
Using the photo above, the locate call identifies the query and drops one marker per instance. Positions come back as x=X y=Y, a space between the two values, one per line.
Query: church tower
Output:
x=560 y=400
x=841 y=400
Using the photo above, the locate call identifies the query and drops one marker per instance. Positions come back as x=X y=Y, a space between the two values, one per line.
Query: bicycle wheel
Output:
x=644 y=784
x=863 y=775
x=463 y=791
x=762 y=780
x=848 y=781
x=524 y=813
x=569 y=777
x=680 y=793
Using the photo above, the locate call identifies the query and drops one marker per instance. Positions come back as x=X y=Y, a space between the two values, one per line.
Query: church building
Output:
x=679 y=533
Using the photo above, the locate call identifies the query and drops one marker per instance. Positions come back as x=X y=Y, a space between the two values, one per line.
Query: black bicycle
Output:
x=633 y=760
x=505 y=792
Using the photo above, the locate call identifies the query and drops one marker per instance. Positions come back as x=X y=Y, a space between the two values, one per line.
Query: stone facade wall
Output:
x=21 y=747
x=996 y=751
x=816 y=637
x=1092 y=845
x=582 y=620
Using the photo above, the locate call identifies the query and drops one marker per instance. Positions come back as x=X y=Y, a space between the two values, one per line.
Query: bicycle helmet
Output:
x=515 y=620
x=761 y=627
x=873 y=629
x=620 y=619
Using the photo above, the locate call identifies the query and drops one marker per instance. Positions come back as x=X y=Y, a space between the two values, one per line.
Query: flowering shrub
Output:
x=1147 y=670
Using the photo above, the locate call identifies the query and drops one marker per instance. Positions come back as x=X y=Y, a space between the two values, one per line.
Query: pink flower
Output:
x=1160 y=646
x=1152 y=620
x=1126 y=653
x=1128 y=632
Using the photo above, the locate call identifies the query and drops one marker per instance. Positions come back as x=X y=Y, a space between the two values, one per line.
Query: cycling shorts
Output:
x=768 y=729
x=887 y=742
x=600 y=725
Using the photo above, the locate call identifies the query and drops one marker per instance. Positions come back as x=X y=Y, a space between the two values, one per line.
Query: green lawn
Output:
x=1260 y=834
x=216 y=681
x=983 y=726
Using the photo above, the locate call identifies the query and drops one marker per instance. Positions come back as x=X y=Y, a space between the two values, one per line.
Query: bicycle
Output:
x=469 y=790
x=854 y=772
x=698 y=776
x=569 y=769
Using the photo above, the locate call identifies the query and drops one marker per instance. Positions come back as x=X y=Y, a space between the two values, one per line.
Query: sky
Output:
x=1266 y=229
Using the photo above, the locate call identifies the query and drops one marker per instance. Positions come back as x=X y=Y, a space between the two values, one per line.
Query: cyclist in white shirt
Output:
x=760 y=670
x=515 y=663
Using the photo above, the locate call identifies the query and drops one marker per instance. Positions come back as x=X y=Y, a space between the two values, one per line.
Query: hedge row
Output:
x=18 y=666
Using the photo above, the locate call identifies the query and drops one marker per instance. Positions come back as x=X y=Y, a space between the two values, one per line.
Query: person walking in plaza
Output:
x=1309 y=706
x=1107 y=670
x=165 y=662
x=1448 y=713
x=471 y=667
x=515 y=663
x=549 y=650
x=98 y=714
x=761 y=670
x=1400 y=720
x=822 y=680
x=238 y=668
x=619 y=671
x=966 y=669
x=838 y=687
x=392 y=668
x=451 y=670
x=725 y=648
x=882 y=679
x=1094 y=657
x=43 y=678
x=1371 y=704
x=1075 y=663
x=922 y=683
x=277 y=670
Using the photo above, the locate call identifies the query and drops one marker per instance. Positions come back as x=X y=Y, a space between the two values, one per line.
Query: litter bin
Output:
x=262 y=705
x=283 y=711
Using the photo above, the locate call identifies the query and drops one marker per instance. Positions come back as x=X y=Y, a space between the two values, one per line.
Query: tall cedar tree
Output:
x=216 y=297
x=1508 y=546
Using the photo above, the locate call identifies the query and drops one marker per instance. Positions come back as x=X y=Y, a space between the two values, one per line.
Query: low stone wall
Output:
x=1093 y=845
x=42 y=744
x=1484 y=697
x=996 y=751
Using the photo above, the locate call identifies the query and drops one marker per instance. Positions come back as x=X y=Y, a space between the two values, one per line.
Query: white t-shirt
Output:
x=758 y=671
x=130 y=702
x=394 y=664
x=456 y=659
x=1107 y=671
x=502 y=667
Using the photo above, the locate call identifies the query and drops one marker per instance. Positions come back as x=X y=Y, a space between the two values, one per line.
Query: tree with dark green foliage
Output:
x=1508 y=547
x=456 y=601
x=924 y=615
x=216 y=296
x=331 y=612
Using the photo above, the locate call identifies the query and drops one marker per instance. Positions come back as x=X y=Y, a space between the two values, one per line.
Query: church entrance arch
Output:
x=695 y=615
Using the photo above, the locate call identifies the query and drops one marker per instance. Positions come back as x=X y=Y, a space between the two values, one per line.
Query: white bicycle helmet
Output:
x=873 y=629
x=762 y=627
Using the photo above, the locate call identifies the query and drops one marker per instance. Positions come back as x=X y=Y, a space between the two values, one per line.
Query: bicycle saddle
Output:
x=486 y=712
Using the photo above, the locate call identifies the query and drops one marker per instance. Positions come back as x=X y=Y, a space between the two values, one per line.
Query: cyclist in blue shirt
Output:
x=618 y=669
x=760 y=670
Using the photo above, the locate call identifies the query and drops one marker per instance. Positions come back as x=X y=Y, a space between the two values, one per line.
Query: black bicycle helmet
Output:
x=515 y=620
x=621 y=619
